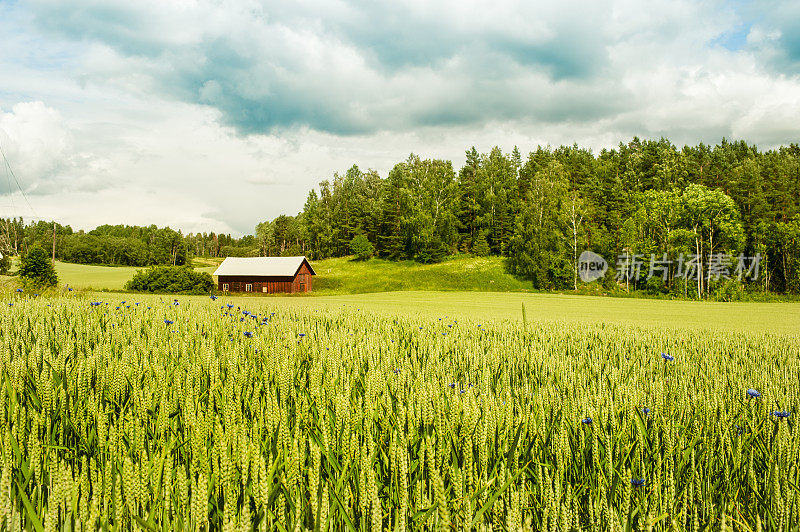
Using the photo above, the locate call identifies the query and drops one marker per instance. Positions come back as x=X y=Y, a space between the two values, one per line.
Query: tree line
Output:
x=117 y=245
x=643 y=200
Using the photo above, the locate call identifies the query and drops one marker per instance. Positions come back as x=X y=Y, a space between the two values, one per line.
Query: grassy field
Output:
x=345 y=276
x=451 y=289
x=83 y=276
x=190 y=414
x=781 y=318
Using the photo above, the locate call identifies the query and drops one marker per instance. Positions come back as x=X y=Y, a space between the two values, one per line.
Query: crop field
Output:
x=201 y=414
x=666 y=315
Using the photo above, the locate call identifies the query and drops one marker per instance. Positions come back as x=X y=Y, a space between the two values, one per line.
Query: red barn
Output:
x=268 y=275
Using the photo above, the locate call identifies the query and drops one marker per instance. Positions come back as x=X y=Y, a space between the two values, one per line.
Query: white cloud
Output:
x=41 y=150
x=214 y=115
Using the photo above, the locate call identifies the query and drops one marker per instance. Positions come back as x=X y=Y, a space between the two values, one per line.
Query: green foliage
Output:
x=361 y=247
x=171 y=279
x=642 y=197
x=36 y=267
x=480 y=247
x=169 y=417
x=5 y=263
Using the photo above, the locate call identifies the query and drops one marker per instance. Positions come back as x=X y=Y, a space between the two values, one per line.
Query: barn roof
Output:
x=262 y=266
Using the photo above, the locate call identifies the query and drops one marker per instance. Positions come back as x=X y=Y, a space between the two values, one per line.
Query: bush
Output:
x=171 y=279
x=36 y=267
x=361 y=247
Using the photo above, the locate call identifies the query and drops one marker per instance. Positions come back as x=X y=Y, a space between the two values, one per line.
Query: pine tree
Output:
x=37 y=268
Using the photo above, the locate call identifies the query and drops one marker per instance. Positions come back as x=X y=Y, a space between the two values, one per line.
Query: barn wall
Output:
x=268 y=285
x=303 y=281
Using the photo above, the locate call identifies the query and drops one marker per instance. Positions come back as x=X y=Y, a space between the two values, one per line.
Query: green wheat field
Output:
x=250 y=414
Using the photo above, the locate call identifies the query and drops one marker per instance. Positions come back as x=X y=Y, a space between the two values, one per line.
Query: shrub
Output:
x=36 y=267
x=171 y=279
x=361 y=247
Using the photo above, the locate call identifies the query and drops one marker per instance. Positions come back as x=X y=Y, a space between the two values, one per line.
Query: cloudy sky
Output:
x=216 y=115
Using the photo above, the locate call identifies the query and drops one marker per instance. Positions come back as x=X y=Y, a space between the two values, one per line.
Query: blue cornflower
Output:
x=452 y=385
x=20 y=290
x=213 y=298
x=69 y=289
x=230 y=306
x=586 y=421
x=301 y=335
x=637 y=482
x=752 y=392
x=396 y=371
x=646 y=410
x=463 y=391
x=121 y=302
x=248 y=334
x=668 y=358
x=781 y=413
x=169 y=322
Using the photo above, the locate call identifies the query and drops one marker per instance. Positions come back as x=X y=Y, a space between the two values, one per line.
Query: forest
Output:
x=645 y=199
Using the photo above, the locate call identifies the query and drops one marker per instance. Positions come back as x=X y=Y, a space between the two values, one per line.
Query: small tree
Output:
x=361 y=247
x=481 y=245
x=35 y=266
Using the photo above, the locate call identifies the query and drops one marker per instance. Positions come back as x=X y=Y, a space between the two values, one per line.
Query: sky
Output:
x=217 y=115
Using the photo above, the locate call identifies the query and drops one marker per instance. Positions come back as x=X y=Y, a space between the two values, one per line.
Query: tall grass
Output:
x=164 y=416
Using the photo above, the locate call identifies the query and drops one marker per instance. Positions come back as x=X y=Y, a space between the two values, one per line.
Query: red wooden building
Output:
x=268 y=275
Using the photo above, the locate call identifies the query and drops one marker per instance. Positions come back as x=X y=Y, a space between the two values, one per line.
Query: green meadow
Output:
x=471 y=287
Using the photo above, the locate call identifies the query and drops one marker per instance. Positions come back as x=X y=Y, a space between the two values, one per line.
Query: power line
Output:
x=10 y=172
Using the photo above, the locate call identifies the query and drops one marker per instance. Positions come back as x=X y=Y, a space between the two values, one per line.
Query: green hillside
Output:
x=345 y=276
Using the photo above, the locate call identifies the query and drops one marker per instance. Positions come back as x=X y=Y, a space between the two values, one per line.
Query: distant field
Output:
x=668 y=316
x=477 y=288
x=780 y=318
x=84 y=276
